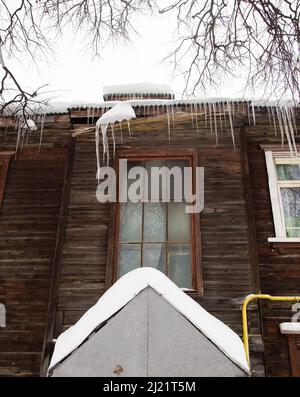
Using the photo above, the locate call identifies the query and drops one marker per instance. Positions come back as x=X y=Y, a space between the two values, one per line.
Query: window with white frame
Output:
x=284 y=184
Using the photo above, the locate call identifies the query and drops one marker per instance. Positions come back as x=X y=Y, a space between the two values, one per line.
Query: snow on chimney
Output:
x=126 y=92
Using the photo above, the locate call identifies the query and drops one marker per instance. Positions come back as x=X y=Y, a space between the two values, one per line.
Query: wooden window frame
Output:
x=5 y=158
x=273 y=158
x=113 y=236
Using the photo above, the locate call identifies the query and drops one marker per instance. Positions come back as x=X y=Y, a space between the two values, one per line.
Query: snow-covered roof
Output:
x=124 y=290
x=63 y=107
x=290 y=328
x=137 y=88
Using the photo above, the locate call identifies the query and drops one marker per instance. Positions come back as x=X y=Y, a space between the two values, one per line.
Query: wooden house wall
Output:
x=28 y=226
x=29 y=229
x=226 y=259
x=279 y=264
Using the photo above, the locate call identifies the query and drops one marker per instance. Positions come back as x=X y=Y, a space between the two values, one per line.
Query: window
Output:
x=156 y=233
x=284 y=184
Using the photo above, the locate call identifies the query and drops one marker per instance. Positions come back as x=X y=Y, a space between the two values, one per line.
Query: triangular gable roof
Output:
x=124 y=290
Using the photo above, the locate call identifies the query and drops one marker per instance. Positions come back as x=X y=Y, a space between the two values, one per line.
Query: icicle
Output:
x=224 y=108
x=42 y=129
x=294 y=119
x=121 y=131
x=248 y=113
x=231 y=126
x=196 y=118
x=129 y=130
x=280 y=124
x=18 y=136
x=169 y=123
x=210 y=119
x=93 y=115
x=220 y=116
x=253 y=114
x=274 y=120
x=192 y=116
x=203 y=109
x=216 y=123
x=173 y=117
x=283 y=123
x=88 y=111
x=269 y=115
x=97 y=151
x=105 y=142
x=291 y=129
x=113 y=138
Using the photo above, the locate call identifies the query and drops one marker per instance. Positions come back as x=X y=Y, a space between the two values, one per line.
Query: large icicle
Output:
x=43 y=118
x=169 y=123
x=231 y=123
x=121 y=111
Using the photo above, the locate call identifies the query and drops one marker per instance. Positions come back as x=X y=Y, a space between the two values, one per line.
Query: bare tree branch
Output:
x=216 y=38
x=221 y=37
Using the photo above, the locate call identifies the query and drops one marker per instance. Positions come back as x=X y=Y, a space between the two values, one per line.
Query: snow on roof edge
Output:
x=64 y=107
x=137 y=88
x=124 y=290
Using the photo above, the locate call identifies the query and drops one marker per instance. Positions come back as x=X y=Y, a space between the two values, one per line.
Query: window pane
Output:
x=179 y=259
x=291 y=208
x=177 y=186
x=178 y=223
x=157 y=183
x=288 y=171
x=130 y=221
x=154 y=255
x=293 y=232
x=154 y=222
x=129 y=258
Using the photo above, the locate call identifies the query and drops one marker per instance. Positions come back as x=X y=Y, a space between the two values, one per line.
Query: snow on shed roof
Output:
x=138 y=88
x=124 y=290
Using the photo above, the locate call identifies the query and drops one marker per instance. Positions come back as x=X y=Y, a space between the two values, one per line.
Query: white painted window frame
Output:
x=274 y=187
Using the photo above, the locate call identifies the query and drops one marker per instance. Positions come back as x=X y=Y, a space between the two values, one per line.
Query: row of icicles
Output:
x=216 y=115
x=282 y=118
x=25 y=127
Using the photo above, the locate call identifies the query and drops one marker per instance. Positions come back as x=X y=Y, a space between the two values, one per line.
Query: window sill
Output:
x=284 y=239
x=283 y=244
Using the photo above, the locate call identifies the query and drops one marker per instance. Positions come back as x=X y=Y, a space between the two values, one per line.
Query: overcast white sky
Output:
x=75 y=75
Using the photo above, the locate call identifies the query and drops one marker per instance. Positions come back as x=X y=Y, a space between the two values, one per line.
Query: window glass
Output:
x=129 y=258
x=291 y=207
x=178 y=222
x=154 y=255
x=179 y=258
x=130 y=222
x=155 y=222
x=288 y=172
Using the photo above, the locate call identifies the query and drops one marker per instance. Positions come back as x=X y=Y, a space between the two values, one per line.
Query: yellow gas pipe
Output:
x=251 y=298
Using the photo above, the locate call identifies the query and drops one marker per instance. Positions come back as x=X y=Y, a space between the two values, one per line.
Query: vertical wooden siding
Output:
x=226 y=259
x=28 y=225
x=279 y=266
